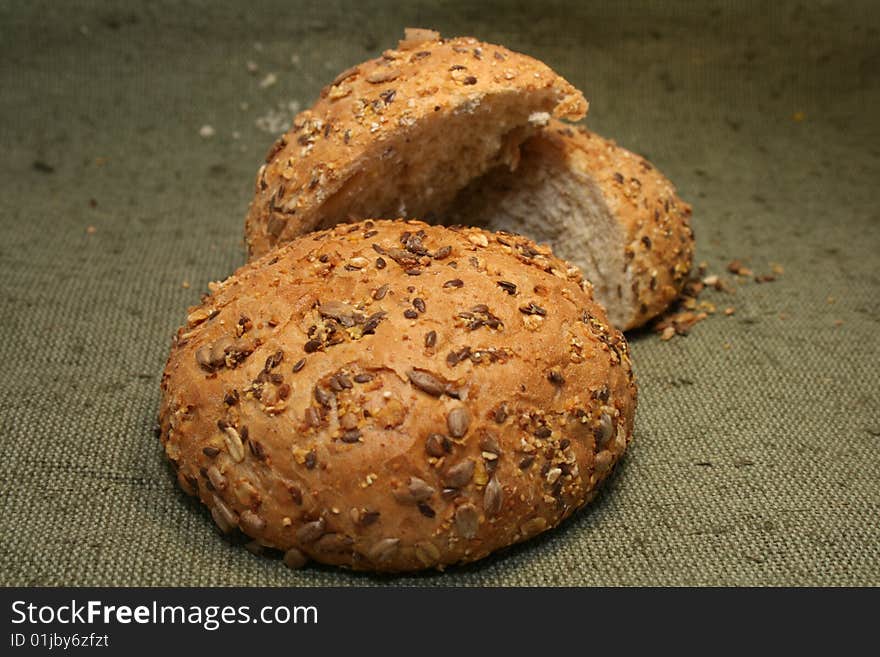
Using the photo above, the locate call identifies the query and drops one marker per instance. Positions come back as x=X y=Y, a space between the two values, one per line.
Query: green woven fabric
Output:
x=757 y=439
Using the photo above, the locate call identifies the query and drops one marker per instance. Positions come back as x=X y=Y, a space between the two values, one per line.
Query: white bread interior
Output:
x=550 y=202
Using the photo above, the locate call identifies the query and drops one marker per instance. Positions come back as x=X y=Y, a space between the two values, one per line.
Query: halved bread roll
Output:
x=599 y=206
x=458 y=131
x=402 y=134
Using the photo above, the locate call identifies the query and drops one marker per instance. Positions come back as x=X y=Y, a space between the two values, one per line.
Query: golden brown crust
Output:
x=395 y=396
x=659 y=239
x=371 y=112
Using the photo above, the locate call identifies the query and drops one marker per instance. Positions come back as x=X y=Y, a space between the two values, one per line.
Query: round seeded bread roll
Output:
x=400 y=135
x=603 y=208
x=393 y=396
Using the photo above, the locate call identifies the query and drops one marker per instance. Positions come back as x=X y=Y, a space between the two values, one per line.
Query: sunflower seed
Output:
x=233 y=444
x=532 y=309
x=458 y=420
x=526 y=462
x=311 y=531
x=333 y=543
x=426 y=382
x=603 y=461
x=459 y=475
x=493 y=497
x=467 y=521
x=298 y=365
x=533 y=526
x=218 y=351
x=373 y=322
x=489 y=443
x=210 y=451
x=293 y=558
x=508 y=287
x=323 y=397
x=442 y=253
x=203 y=357
x=409 y=313
x=218 y=481
x=500 y=415
x=363 y=377
x=351 y=436
x=427 y=553
x=380 y=293
x=543 y=432
x=419 y=490
x=348 y=421
x=419 y=304
x=311 y=460
x=453 y=358
x=341 y=312
x=377 y=77
x=367 y=518
x=416 y=490
x=229 y=517
x=274 y=360
x=313 y=417
x=604 y=431
x=383 y=549
x=220 y=521
x=437 y=445
x=431 y=339
x=455 y=282
x=251 y=523
x=312 y=346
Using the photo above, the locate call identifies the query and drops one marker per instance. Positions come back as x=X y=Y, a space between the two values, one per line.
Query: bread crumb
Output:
x=736 y=267
x=91 y=230
x=277 y=120
x=268 y=81
x=799 y=116
x=207 y=131
x=185 y=285
x=686 y=311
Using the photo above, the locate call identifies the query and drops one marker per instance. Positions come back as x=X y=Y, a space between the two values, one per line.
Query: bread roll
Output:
x=400 y=135
x=603 y=208
x=451 y=130
x=393 y=396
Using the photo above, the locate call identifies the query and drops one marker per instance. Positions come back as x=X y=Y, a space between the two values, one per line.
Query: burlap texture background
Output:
x=756 y=452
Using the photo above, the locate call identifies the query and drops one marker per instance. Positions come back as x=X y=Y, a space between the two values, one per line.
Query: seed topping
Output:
x=458 y=420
